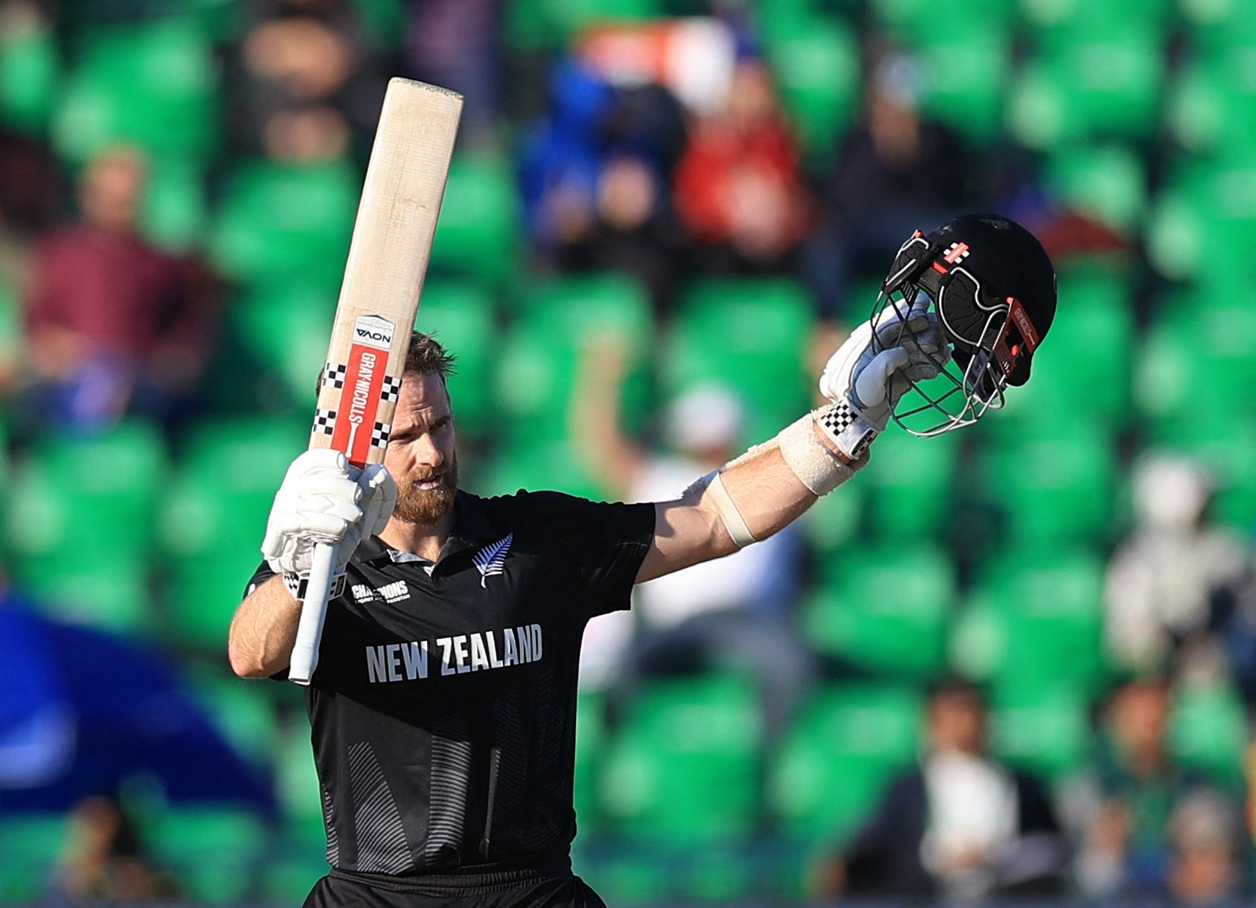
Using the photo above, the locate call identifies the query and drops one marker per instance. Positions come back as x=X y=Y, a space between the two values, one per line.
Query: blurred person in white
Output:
x=734 y=611
x=1161 y=575
x=960 y=824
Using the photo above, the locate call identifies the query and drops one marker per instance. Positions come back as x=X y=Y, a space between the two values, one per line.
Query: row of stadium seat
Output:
x=686 y=766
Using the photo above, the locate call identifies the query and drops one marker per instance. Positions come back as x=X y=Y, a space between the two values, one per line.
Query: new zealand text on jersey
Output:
x=458 y=655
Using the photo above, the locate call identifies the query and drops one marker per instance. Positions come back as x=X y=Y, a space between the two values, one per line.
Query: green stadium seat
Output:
x=1035 y=617
x=215 y=853
x=279 y=222
x=176 y=210
x=910 y=485
x=284 y=328
x=591 y=734
x=110 y=593
x=478 y=233
x=1102 y=84
x=1104 y=180
x=1055 y=484
x=1061 y=21
x=835 y=521
x=31 y=844
x=1194 y=366
x=297 y=785
x=213 y=519
x=1208 y=731
x=245 y=714
x=815 y=61
x=537 y=360
x=1218 y=25
x=834 y=762
x=1041 y=728
x=91 y=494
x=884 y=609
x=155 y=85
x=683 y=766
x=30 y=72
x=463 y=316
x=966 y=74
x=1202 y=199
x=551 y=25
x=750 y=334
x=1211 y=104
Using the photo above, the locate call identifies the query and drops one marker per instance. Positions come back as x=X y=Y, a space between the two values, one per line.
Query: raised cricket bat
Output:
x=379 y=298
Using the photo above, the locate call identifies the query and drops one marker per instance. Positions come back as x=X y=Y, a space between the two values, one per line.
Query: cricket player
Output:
x=443 y=703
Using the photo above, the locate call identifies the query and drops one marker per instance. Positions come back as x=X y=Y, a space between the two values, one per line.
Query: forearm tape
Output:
x=816 y=467
x=733 y=522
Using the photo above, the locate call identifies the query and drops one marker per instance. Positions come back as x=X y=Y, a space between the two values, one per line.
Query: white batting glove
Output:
x=866 y=381
x=325 y=500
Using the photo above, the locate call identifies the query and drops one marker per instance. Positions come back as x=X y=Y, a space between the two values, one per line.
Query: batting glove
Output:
x=874 y=368
x=325 y=500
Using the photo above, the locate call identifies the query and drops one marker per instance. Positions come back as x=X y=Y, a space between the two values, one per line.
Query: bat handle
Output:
x=313 y=610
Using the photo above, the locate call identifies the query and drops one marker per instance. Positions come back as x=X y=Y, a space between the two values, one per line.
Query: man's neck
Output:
x=423 y=539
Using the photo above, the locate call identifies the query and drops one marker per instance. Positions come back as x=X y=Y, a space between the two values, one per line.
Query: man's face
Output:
x=421 y=455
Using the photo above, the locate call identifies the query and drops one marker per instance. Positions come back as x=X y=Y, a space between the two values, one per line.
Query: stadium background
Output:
x=1139 y=115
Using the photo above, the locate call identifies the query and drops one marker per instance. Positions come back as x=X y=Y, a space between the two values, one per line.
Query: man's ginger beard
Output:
x=423 y=506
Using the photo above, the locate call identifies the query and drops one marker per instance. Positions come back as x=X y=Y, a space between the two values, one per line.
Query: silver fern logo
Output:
x=491 y=560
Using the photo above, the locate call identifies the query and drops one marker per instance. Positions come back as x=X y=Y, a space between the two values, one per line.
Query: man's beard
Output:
x=425 y=506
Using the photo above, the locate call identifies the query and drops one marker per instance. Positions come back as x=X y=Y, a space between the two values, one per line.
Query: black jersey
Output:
x=443 y=705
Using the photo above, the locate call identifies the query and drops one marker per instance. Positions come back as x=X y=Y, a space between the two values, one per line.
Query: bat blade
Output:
x=379 y=298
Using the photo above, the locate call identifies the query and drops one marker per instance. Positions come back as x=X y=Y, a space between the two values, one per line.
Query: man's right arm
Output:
x=263 y=630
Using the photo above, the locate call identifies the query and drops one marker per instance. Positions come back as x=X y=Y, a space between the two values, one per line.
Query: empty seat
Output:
x=884 y=609
x=842 y=749
x=683 y=766
x=1035 y=617
x=750 y=334
x=279 y=222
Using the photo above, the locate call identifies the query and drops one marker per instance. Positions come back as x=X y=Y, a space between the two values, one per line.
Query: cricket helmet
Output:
x=993 y=289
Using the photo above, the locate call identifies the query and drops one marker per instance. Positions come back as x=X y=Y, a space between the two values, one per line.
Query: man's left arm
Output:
x=774 y=483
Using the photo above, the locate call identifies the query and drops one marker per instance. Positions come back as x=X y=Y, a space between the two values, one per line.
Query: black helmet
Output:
x=994 y=291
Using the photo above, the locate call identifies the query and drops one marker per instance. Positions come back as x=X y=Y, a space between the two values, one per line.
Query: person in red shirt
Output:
x=739 y=186
x=114 y=326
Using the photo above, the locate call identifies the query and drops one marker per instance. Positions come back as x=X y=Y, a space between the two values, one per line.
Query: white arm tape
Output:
x=815 y=465
x=733 y=522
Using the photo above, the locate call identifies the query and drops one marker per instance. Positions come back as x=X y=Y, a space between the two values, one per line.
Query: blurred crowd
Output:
x=178 y=180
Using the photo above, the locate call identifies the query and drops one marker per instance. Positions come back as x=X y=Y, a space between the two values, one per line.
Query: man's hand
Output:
x=875 y=367
x=324 y=499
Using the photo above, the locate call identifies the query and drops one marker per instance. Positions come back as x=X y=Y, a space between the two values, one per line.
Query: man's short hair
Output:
x=427 y=355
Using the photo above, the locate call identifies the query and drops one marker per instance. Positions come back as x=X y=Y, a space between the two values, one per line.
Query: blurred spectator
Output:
x=1162 y=574
x=29 y=192
x=895 y=172
x=303 y=83
x=739 y=186
x=961 y=825
x=114 y=326
x=1206 y=869
x=631 y=228
x=737 y=610
x=456 y=44
x=560 y=156
x=1233 y=620
x=1123 y=806
x=595 y=179
x=104 y=859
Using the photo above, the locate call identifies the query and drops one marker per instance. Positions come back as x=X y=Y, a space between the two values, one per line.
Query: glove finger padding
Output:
x=319 y=501
x=379 y=498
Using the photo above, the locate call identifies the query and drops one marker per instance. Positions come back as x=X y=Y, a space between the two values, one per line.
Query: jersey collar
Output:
x=471 y=530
